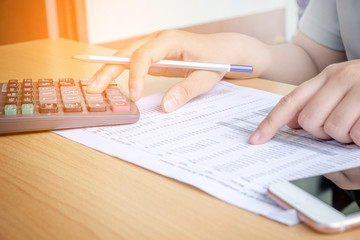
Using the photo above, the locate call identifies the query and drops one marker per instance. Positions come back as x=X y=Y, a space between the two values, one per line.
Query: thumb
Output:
x=198 y=82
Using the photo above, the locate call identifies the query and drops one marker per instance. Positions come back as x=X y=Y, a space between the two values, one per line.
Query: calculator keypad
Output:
x=62 y=101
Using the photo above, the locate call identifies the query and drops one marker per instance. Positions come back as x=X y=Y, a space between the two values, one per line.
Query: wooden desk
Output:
x=53 y=188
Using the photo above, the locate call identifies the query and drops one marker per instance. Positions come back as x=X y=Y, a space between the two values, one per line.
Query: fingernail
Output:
x=170 y=104
x=254 y=138
x=133 y=94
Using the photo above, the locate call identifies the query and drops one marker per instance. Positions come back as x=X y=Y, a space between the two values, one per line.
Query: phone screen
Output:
x=328 y=191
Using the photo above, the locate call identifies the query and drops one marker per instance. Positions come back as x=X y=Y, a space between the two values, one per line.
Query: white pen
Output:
x=169 y=64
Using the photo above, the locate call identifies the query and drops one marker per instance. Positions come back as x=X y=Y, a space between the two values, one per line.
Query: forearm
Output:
x=284 y=63
x=289 y=64
x=293 y=63
x=301 y=60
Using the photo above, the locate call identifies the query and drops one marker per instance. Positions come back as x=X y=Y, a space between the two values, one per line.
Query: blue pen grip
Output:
x=241 y=68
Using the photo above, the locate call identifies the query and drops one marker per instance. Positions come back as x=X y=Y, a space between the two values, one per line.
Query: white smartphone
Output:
x=328 y=203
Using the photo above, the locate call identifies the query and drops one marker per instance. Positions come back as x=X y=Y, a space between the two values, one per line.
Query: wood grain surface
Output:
x=53 y=188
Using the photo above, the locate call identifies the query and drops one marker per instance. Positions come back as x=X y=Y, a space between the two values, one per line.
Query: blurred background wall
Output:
x=114 y=23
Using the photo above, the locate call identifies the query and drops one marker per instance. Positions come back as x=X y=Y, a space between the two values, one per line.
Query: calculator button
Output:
x=45 y=80
x=28 y=80
x=27 y=94
x=116 y=98
x=94 y=98
x=27 y=89
x=99 y=95
x=10 y=109
x=47 y=99
x=12 y=85
x=113 y=91
x=27 y=108
x=66 y=82
x=27 y=84
x=69 y=92
x=13 y=81
x=97 y=107
x=72 y=107
x=48 y=88
x=48 y=108
x=71 y=98
x=68 y=88
x=12 y=89
x=47 y=93
x=12 y=94
x=120 y=107
x=45 y=84
x=11 y=100
x=27 y=100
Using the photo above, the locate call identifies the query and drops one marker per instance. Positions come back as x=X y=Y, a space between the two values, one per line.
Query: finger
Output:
x=338 y=178
x=348 y=179
x=164 y=46
x=167 y=72
x=293 y=123
x=108 y=72
x=355 y=132
x=198 y=82
x=313 y=117
x=344 y=116
x=286 y=110
x=101 y=79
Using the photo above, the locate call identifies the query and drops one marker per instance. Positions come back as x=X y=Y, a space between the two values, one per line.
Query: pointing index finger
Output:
x=280 y=115
x=287 y=108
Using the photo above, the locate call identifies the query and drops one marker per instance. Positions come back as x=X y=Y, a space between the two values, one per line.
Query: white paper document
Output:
x=205 y=144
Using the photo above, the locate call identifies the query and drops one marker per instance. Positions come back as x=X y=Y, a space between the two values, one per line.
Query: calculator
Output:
x=47 y=104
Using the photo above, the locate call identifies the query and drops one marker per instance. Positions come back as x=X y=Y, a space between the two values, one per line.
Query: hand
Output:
x=348 y=179
x=327 y=106
x=178 y=45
